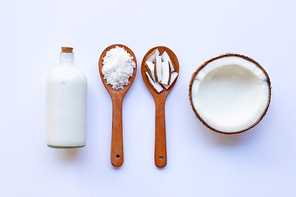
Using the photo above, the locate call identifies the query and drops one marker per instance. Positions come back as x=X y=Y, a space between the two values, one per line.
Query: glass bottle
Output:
x=66 y=88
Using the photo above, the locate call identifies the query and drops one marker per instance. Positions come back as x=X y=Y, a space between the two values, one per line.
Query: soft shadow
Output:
x=225 y=140
x=160 y=169
x=67 y=155
x=220 y=139
x=117 y=168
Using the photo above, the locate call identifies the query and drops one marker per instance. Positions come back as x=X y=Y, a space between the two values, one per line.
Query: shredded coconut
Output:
x=118 y=67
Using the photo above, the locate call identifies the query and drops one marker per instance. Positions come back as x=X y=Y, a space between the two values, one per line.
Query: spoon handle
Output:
x=117 y=141
x=160 y=155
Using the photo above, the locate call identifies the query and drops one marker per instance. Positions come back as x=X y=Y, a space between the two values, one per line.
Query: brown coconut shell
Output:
x=213 y=59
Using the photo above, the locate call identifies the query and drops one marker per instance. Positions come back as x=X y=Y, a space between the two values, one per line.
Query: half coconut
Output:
x=230 y=93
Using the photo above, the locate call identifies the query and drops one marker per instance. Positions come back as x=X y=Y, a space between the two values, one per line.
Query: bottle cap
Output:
x=67 y=49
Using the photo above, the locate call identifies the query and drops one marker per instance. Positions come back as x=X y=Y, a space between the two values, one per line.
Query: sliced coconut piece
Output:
x=173 y=78
x=230 y=93
x=166 y=73
x=165 y=57
x=155 y=85
x=158 y=69
x=151 y=57
x=150 y=66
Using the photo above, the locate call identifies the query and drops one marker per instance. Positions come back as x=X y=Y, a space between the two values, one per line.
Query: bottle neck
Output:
x=66 y=58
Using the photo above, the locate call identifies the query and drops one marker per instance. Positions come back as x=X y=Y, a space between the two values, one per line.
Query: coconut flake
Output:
x=151 y=58
x=166 y=73
x=150 y=66
x=118 y=67
x=165 y=57
x=158 y=68
x=173 y=78
x=155 y=85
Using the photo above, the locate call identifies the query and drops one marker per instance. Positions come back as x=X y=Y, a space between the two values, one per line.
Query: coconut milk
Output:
x=66 y=105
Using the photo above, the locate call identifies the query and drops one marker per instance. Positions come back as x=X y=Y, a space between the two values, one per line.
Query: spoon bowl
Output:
x=160 y=154
x=117 y=96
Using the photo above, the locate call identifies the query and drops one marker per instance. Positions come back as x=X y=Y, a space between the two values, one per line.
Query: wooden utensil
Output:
x=160 y=154
x=117 y=97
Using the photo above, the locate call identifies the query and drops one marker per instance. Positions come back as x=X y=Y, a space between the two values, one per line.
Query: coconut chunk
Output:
x=158 y=68
x=155 y=85
x=173 y=78
x=166 y=73
x=151 y=57
x=150 y=66
x=165 y=57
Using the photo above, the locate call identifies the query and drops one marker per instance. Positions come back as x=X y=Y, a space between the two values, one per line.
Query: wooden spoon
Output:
x=117 y=99
x=160 y=154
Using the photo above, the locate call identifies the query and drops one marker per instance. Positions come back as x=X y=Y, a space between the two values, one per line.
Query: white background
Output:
x=259 y=162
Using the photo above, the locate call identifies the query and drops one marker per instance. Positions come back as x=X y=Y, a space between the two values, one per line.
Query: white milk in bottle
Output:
x=66 y=90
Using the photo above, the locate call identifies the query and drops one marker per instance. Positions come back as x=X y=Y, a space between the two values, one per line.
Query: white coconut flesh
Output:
x=230 y=94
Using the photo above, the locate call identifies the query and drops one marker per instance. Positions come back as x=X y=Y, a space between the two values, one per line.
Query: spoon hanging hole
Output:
x=161 y=157
x=117 y=156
